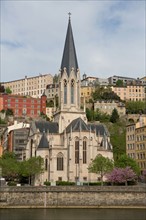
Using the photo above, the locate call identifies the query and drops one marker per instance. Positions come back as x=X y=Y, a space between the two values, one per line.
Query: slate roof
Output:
x=51 y=127
x=100 y=129
x=43 y=142
x=77 y=125
x=69 y=59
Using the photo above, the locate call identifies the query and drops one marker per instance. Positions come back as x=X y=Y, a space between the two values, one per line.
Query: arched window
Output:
x=84 y=151
x=60 y=161
x=65 y=91
x=72 y=91
x=76 y=151
x=46 y=164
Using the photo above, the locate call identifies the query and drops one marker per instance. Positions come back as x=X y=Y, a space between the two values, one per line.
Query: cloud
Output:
x=109 y=37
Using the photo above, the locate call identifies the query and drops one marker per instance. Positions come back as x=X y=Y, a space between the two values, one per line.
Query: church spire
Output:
x=69 y=59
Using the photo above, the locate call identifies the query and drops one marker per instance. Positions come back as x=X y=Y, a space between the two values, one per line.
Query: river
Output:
x=72 y=214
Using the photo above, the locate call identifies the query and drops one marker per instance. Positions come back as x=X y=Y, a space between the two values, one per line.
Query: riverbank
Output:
x=73 y=197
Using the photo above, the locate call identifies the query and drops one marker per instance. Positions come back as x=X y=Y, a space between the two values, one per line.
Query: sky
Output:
x=110 y=37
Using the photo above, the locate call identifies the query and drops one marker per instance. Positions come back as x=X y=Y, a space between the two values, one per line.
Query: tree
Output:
x=9 y=112
x=100 y=165
x=114 y=116
x=55 y=78
x=124 y=161
x=32 y=167
x=8 y=90
x=121 y=175
x=135 y=107
x=119 y=83
x=10 y=166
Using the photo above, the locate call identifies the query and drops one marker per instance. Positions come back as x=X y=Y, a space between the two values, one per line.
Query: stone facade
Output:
x=73 y=197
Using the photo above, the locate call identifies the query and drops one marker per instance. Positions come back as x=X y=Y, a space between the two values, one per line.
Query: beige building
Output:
x=69 y=143
x=108 y=106
x=131 y=92
x=32 y=86
x=136 y=142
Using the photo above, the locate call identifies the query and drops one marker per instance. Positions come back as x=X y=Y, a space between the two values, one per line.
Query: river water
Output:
x=72 y=214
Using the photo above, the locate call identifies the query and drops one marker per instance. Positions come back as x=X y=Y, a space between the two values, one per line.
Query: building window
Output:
x=84 y=151
x=60 y=161
x=65 y=91
x=46 y=164
x=76 y=152
x=72 y=91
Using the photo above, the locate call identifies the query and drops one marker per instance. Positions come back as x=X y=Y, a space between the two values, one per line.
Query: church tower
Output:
x=69 y=84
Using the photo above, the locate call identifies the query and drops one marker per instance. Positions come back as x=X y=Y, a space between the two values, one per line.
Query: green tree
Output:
x=55 y=78
x=114 y=116
x=32 y=167
x=10 y=166
x=124 y=161
x=100 y=165
x=8 y=90
x=119 y=83
x=9 y=112
x=136 y=107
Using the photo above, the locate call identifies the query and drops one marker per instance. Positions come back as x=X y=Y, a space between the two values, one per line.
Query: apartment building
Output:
x=131 y=92
x=23 y=105
x=32 y=86
x=108 y=106
x=113 y=79
x=85 y=93
x=136 y=142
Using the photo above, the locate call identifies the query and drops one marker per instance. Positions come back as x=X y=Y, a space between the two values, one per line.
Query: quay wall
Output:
x=73 y=197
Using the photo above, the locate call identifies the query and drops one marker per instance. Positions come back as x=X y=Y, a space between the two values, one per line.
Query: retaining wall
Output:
x=73 y=197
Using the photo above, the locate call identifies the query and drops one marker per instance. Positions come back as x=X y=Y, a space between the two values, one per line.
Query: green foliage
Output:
x=50 y=104
x=96 y=115
x=55 y=78
x=32 y=166
x=8 y=90
x=119 y=82
x=136 y=107
x=102 y=93
x=47 y=183
x=114 y=116
x=100 y=165
x=10 y=166
x=9 y=112
x=118 y=137
x=125 y=161
x=13 y=170
x=64 y=183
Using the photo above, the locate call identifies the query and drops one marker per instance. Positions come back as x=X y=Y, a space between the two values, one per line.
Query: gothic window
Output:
x=46 y=164
x=76 y=152
x=72 y=91
x=60 y=161
x=65 y=91
x=84 y=151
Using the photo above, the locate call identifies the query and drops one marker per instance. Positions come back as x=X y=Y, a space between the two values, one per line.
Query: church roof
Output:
x=43 y=142
x=99 y=128
x=77 y=125
x=51 y=127
x=69 y=59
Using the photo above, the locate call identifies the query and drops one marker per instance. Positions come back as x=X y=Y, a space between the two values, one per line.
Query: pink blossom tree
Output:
x=121 y=175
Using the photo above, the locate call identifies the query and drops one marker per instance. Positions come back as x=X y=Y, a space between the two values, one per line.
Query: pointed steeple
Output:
x=69 y=59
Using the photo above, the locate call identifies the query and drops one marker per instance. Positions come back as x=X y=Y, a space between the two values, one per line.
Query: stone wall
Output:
x=73 y=197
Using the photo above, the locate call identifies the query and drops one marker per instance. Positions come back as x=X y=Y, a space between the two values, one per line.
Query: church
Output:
x=68 y=143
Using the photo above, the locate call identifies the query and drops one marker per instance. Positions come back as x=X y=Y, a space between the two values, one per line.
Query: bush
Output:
x=64 y=183
x=47 y=183
x=12 y=183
